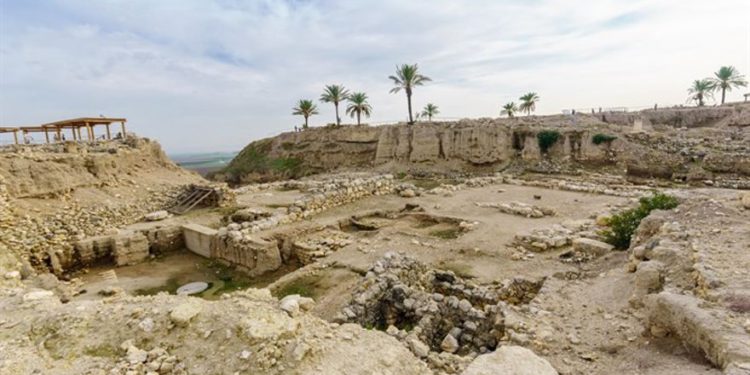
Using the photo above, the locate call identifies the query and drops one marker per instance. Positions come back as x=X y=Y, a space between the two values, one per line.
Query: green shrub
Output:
x=623 y=225
x=602 y=138
x=546 y=139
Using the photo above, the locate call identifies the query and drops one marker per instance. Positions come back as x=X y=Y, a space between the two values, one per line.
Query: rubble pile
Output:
x=434 y=311
x=307 y=250
x=519 y=208
x=691 y=271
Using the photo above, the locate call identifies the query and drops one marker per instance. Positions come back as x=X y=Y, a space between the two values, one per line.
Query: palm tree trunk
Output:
x=723 y=93
x=338 y=119
x=358 y=114
x=408 y=100
x=305 y=122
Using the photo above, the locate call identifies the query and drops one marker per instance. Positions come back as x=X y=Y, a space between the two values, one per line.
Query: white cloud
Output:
x=212 y=75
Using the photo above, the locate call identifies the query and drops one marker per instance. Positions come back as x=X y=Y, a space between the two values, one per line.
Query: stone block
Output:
x=129 y=248
x=593 y=247
x=198 y=238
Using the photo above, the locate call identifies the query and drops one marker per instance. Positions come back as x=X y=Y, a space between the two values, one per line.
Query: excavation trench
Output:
x=445 y=312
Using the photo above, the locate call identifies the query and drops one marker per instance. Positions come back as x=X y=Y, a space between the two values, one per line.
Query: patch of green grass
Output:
x=547 y=139
x=277 y=205
x=623 y=225
x=425 y=224
x=305 y=286
x=600 y=138
x=103 y=351
x=170 y=287
x=255 y=159
x=446 y=234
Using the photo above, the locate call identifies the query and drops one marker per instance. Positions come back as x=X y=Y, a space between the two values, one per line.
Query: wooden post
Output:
x=90 y=131
x=122 y=126
x=80 y=137
x=46 y=134
x=59 y=134
x=109 y=135
x=15 y=136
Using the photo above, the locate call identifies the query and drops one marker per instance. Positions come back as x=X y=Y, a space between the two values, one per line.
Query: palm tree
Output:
x=430 y=110
x=407 y=77
x=509 y=109
x=700 y=90
x=528 y=103
x=334 y=94
x=726 y=79
x=358 y=105
x=305 y=108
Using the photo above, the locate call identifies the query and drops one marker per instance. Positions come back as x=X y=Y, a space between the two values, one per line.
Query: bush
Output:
x=603 y=138
x=623 y=225
x=546 y=139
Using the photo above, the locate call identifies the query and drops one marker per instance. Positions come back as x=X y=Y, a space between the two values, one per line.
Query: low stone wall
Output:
x=124 y=248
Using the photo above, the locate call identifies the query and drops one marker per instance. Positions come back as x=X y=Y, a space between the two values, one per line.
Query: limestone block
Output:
x=129 y=248
x=746 y=200
x=198 y=238
x=593 y=247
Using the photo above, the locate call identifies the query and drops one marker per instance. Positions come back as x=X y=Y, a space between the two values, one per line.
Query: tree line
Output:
x=725 y=79
x=408 y=77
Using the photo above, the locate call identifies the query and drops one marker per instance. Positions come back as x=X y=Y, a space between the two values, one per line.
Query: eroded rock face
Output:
x=494 y=144
x=434 y=309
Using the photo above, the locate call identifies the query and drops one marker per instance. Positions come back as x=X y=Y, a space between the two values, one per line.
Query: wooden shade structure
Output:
x=75 y=125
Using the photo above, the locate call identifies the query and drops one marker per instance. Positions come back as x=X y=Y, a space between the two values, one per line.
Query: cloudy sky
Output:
x=203 y=75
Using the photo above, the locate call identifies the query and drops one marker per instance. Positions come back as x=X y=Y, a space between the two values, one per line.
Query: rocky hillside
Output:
x=53 y=195
x=675 y=144
x=48 y=170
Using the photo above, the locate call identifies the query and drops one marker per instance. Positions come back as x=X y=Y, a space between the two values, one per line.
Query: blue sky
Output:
x=201 y=75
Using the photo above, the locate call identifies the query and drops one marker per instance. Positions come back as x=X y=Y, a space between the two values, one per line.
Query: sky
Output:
x=213 y=75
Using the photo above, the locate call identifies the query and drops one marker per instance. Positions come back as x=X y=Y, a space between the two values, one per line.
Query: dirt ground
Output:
x=582 y=310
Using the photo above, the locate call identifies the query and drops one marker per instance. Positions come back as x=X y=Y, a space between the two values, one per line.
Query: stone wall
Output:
x=237 y=243
x=124 y=248
x=252 y=254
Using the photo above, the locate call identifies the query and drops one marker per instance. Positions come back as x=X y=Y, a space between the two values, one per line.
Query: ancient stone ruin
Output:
x=462 y=247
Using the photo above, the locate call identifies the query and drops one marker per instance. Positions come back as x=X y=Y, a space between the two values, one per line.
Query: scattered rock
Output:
x=156 y=215
x=591 y=247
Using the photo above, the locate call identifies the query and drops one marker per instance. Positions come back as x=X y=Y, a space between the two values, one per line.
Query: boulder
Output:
x=449 y=344
x=290 y=304
x=183 y=313
x=408 y=193
x=510 y=360
x=745 y=199
x=156 y=215
x=649 y=278
x=592 y=247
